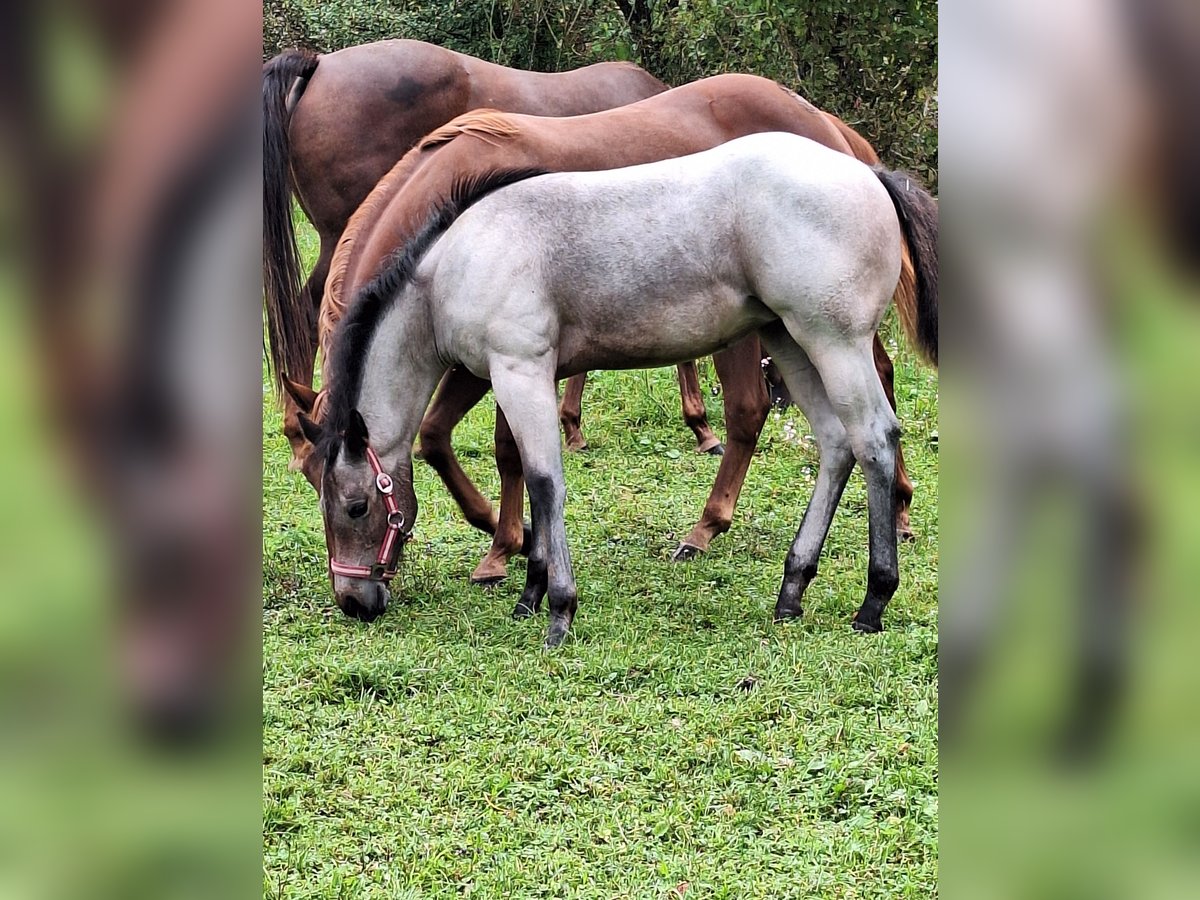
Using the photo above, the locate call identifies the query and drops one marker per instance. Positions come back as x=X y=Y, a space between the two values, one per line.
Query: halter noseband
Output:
x=388 y=558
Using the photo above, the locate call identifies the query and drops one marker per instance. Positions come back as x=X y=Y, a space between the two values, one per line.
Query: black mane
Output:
x=348 y=349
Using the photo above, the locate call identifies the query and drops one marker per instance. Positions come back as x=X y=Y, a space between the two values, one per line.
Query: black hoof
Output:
x=557 y=634
x=523 y=610
x=787 y=612
x=866 y=626
x=718 y=450
x=685 y=553
x=905 y=536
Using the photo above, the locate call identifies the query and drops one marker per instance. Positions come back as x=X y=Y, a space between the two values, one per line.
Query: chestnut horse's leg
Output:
x=693 y=409
x=746 y=404
x=570 y=411
x=458 y=392
x=904 y=485
x=511 y=536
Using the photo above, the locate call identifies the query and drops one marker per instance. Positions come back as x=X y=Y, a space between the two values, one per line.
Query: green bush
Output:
x=872 y=63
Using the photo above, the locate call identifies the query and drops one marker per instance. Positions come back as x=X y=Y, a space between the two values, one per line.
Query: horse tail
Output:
x=905 y=297
x=288 y=323
x=918 y=214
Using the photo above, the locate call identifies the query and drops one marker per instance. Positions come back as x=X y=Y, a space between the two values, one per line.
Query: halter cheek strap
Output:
x=388 y=558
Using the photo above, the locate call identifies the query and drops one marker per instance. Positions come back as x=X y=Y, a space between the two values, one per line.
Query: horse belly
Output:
x=643 y=331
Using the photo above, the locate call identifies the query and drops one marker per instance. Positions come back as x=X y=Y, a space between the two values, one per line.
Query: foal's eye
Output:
x=357 y=509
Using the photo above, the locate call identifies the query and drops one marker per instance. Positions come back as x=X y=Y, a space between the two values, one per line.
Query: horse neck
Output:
x=401 y=371
x=353 y=262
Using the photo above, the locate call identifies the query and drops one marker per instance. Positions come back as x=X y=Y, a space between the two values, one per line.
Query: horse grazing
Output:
x=688 y=119
x=333 y=125
x=626 y=268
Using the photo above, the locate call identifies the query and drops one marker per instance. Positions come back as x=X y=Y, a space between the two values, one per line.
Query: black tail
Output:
x=918 y=213
x=289 y=322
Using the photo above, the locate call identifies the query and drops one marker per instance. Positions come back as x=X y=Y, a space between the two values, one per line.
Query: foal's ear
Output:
x=302 y=395
x=310 y=429
x=356 y=435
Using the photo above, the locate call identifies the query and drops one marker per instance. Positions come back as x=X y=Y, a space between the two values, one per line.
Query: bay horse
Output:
x=522 y=280
x=335 y=124
x=687 y=119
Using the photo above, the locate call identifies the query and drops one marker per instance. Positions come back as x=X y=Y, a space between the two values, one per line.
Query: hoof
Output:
x=711 y=446
x=557 y=633
x=718 y=450
x=576 y=444
x=685 y=552
x=904 y=530
x=524 y=611
x=787 y=612
x=866 y=626
x=486 y=580
x=489 y=572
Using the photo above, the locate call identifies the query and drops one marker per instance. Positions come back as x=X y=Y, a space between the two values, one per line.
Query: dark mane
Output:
x=348 y=350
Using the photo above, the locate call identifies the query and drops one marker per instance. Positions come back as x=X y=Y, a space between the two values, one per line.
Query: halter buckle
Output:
x=383 y=481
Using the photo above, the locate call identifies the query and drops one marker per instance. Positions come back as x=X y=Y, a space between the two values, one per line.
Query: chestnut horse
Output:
x=687 y=119
x=333 y=125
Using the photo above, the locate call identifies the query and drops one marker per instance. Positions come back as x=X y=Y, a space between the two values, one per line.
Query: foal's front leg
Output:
x=525 y=392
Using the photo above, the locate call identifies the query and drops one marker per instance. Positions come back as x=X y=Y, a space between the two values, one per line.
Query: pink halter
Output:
x=388 y=559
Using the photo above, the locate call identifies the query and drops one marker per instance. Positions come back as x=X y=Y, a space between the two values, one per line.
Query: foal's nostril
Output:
x=350 y=607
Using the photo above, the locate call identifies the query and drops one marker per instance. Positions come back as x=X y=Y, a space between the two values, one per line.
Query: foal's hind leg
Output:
x=853 y=388
x=837 y=462
x=694 y=415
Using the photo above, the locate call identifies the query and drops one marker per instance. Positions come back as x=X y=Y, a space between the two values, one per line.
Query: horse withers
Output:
x=626 y=268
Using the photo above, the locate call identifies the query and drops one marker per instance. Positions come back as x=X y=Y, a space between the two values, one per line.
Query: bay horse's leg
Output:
x=571 y=411
x=853 y=388
x=836 y=463
x=744 y=393
x=510 y=537
x=694 y=415
x=456 y=395
x=313 y=290
x=525 y=390
x=904 y=485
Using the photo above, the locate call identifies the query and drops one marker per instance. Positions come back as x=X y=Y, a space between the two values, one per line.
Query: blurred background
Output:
x=130 y=332
x=1069 y=146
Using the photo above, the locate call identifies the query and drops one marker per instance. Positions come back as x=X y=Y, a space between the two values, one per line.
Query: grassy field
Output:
x=678 y=744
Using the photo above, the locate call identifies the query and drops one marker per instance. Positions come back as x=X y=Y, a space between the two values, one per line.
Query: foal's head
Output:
x=368 y=514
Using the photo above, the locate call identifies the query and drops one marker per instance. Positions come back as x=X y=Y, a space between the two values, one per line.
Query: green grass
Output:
x=678 y=736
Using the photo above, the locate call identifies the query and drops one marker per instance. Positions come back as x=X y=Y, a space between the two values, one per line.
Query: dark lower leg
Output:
x=570 y=412
x=694 y=415
x=883 y=570
x=547 y=497
x=837 y=462
x=458 y=392
x=904 y=485
x=746 y=404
